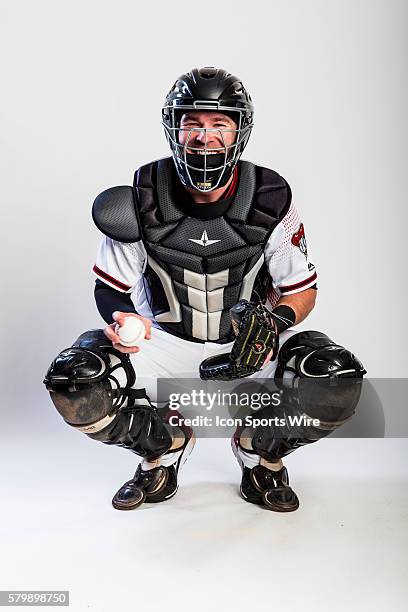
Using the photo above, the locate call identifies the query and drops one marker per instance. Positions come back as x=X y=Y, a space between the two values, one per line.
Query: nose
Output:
x=202 y=136
x=207 y=138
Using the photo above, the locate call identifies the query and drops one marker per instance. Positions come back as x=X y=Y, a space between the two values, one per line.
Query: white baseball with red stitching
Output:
x=132 y=332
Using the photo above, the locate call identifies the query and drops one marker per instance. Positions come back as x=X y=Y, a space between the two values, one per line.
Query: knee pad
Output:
x=326 y=376
x=318 y=379
x=311 y=354
x=89 y=380
x=91 y=383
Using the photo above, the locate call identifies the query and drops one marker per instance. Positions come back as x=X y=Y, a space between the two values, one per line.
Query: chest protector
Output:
x=197 y=269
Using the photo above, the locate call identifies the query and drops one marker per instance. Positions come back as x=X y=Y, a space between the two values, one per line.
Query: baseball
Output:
x=132 y=332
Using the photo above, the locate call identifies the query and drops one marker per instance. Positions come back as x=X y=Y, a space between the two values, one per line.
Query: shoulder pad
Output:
x=273 y=183
x=272 y=199
x=114 y=214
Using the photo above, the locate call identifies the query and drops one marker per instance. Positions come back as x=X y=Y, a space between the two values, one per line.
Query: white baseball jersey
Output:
x=121 y=265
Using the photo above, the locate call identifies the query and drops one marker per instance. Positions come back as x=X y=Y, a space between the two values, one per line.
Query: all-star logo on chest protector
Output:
x=197 y=269
x=204 y=240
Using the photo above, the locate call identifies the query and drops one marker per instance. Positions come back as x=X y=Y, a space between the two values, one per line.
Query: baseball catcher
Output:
x=209 y=253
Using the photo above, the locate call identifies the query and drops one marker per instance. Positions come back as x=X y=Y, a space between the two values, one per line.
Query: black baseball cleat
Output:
x=274 y=489
x=262 y=486
x=145 y=485
x=247 y=489
x=158 y=483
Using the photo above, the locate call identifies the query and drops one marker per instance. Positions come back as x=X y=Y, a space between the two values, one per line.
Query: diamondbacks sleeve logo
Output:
x=299 y=240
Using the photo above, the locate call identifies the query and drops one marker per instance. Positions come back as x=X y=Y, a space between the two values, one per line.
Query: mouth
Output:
x=205 y=152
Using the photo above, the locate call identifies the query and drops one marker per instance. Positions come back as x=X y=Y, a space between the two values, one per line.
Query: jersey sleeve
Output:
x=288 y=258
x=120 y=265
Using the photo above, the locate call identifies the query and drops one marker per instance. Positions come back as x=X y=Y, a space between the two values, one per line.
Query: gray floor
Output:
x=206 y=549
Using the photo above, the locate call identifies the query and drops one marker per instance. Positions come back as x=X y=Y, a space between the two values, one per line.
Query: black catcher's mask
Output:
x=214 y=90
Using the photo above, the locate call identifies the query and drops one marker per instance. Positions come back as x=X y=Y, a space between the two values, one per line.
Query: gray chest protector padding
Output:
x=197 y=268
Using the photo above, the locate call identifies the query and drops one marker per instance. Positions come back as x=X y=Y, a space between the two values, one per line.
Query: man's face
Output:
x=194 y=133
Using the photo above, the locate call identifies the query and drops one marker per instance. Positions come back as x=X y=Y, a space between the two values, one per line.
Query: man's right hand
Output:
x=119 y=319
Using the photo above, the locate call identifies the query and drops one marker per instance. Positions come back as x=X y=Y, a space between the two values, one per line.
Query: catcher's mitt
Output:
x=255 y=345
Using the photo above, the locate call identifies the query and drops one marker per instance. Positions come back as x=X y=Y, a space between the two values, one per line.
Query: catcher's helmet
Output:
x=209 y=89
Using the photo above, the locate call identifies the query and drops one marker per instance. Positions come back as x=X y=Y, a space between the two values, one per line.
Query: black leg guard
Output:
x=138 y=428
x=91 y=384
x=319 y=380
x=320 y=385
x=308 y=412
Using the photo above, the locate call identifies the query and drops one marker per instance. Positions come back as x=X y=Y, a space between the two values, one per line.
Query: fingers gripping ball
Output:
x=132 y=332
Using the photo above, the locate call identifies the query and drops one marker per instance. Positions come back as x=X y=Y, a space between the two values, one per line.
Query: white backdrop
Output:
x=82 y=88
